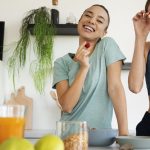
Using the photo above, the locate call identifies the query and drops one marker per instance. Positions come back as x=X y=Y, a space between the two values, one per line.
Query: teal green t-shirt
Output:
x=94 y=105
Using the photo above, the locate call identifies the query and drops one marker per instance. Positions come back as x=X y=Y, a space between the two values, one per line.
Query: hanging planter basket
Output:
x=44 y=32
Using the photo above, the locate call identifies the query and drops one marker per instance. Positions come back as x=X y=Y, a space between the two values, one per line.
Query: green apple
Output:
x=15 y=143
x=49 y=142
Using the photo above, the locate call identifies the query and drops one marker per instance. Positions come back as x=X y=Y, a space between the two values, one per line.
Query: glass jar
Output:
x=74 y=134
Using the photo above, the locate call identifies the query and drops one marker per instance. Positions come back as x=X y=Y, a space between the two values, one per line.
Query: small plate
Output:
x=138 y=142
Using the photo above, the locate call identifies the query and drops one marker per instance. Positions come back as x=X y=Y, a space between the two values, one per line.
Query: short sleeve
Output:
x=59 y=72
x=112 y=52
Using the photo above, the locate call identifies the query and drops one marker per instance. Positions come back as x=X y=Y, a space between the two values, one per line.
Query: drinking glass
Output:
x=74 y=134
x=12 y=121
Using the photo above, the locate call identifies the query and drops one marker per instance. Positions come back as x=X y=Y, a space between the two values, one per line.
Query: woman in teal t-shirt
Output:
x=88 y=82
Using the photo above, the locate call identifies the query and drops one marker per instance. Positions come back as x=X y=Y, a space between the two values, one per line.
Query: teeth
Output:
x=89 y=28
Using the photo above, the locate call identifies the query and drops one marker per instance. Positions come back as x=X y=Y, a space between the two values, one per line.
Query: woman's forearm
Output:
x=120 y=107
x=137 y=72
x=70 y=98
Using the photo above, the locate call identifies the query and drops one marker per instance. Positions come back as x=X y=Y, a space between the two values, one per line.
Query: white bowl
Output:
x=102 y=137
x=137 y=142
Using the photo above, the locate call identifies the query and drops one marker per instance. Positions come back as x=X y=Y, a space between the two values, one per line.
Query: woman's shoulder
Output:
x=62 y=58
x=108 y=40
x=65 y=60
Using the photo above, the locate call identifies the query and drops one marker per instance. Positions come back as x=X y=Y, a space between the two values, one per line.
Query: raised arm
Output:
x=68 y=96
x=117 y=94
x=136 y=75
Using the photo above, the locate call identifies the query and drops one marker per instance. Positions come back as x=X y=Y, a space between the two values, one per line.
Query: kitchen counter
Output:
x=34 y=135
x=39 y=133
x=113 y=147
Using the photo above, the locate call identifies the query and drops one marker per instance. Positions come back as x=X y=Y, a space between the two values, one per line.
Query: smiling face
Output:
x=93 y=23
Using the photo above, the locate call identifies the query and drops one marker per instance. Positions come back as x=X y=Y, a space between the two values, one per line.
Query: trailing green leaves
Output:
x=44 y=32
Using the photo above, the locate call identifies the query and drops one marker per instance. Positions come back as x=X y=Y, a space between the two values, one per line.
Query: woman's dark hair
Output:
x=147 y=5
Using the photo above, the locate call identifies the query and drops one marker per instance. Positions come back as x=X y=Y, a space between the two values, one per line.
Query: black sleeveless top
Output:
x=147 y=74
x=143 y=127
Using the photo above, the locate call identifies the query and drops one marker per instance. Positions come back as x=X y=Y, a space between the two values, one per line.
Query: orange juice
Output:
x=10 y=127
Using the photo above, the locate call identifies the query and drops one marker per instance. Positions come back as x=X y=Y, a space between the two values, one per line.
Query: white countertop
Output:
x=40 y=133
x=34 y=135
x=113 y=147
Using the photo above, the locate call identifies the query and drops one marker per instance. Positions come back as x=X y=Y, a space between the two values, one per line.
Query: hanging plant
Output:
x=44 y=32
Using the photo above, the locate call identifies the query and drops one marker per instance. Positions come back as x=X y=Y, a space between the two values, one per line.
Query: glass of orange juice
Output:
x=12 y=121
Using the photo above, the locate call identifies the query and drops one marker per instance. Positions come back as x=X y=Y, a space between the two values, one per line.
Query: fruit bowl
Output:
x=102 y=137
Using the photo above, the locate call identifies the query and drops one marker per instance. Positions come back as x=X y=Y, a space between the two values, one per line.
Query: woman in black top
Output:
x=140 y=66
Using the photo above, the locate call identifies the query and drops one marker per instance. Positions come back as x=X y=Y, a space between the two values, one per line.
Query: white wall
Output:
x=45 y=110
